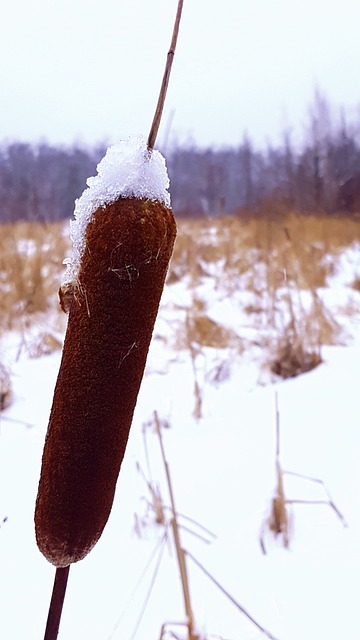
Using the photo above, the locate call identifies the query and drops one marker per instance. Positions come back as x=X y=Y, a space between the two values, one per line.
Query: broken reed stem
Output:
x=165 y=81
x=56 y=603
x=229 y=596
x=179 y=550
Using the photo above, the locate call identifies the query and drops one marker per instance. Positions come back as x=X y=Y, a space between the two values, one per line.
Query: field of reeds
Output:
x=260 y=296
x=278 y=277
x=261 y=286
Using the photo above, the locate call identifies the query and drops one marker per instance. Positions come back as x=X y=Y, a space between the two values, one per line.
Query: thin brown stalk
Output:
x=179 y=550
x=56 y=603
x=230 y=597
x=165 y=81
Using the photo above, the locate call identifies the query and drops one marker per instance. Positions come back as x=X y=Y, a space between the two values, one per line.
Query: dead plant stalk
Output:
x=179 y=550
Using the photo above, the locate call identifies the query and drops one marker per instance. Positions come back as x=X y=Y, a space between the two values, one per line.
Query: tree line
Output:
x=41 y=182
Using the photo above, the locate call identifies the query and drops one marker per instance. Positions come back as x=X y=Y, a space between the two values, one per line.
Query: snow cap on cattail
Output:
x=128 y=170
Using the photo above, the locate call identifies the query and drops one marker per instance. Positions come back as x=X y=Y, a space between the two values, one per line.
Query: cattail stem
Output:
x=165 y=82
x=56 y=603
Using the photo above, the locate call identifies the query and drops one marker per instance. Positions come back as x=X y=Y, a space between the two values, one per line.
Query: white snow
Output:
x=223 y=473
x=128 y=170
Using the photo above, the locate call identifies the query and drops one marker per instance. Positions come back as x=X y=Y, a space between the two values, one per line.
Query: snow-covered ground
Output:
x=223 y=472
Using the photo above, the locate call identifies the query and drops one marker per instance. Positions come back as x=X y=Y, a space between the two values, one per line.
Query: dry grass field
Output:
x=272 y=293
x=278 y=270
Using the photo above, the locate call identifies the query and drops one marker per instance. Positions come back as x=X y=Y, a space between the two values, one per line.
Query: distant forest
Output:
x=41 y=182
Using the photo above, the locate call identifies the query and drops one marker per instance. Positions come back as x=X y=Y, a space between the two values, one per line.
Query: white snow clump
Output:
x=128 y=170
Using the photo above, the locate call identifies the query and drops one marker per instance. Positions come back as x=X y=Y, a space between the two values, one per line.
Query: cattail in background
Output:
x=123 y=236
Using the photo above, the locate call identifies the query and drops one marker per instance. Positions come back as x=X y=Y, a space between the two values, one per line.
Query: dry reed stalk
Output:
x=165 y=81
x=228 y=595
x=156 y=502
x=278 y=520
x=192 y=635
x=194 y=351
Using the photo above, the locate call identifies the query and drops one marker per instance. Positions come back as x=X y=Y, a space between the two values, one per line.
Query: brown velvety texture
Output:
x=112 y=314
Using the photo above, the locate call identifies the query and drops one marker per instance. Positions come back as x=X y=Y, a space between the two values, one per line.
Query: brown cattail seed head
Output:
x=128 y=245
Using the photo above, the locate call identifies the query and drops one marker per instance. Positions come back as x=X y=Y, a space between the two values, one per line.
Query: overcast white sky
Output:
x=90 y=70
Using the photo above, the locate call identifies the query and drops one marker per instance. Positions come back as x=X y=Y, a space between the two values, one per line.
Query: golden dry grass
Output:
x=31 y=268
x=284 y=263
x=275 y=261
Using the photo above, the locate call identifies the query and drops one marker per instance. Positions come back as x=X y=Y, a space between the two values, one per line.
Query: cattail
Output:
x=123 y=236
